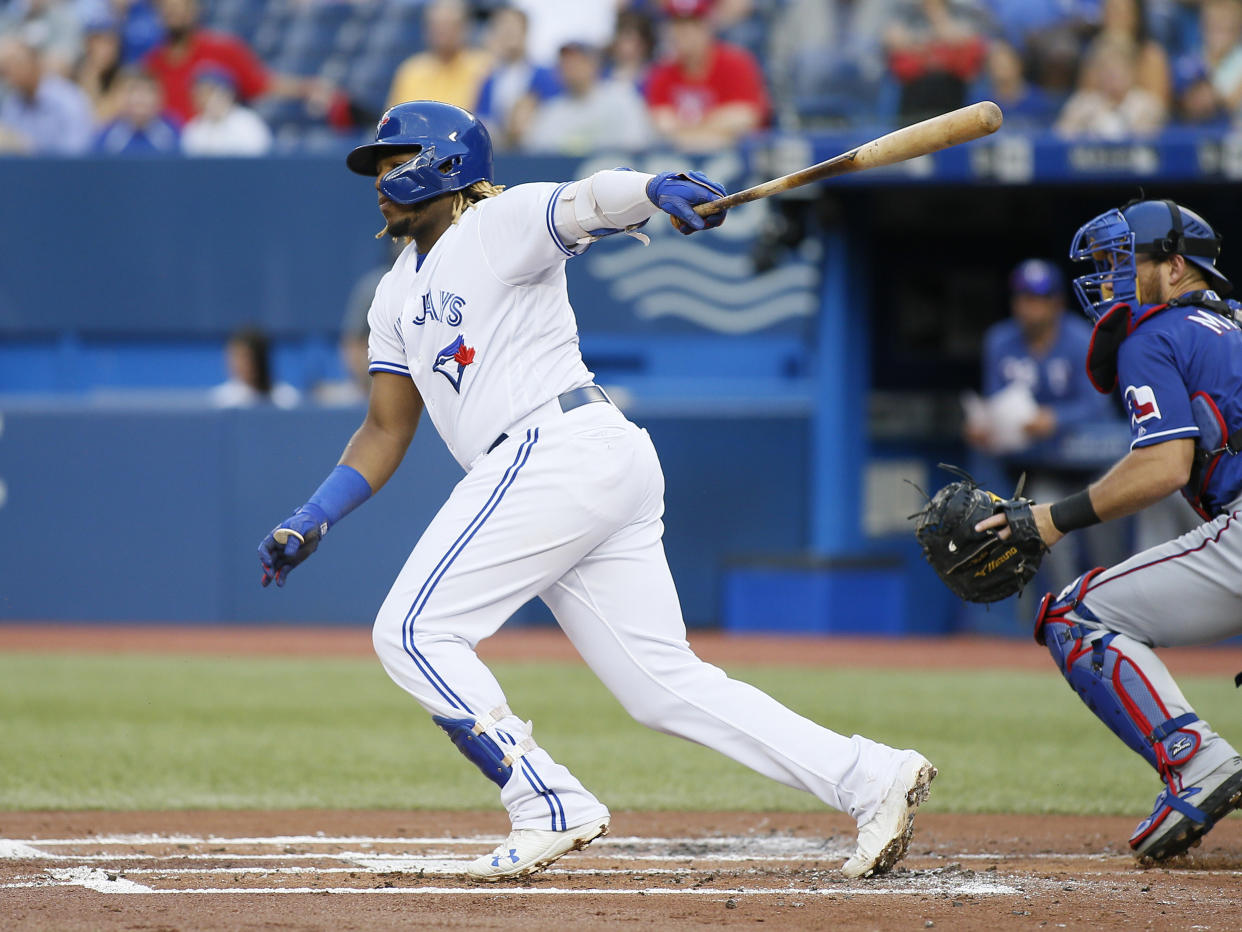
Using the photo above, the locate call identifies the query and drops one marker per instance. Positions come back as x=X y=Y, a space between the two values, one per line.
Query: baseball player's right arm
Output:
x=611 y=201
x=378 y=446
x=574 y=215
x=370 y=458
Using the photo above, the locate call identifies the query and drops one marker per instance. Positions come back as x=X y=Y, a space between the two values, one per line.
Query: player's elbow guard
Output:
x=606 y=202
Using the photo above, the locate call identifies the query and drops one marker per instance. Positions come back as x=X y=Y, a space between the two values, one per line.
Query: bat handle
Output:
x=282 y=534
x=721 y=203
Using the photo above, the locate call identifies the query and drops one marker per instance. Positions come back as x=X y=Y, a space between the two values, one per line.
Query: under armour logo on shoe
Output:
x=513 y=856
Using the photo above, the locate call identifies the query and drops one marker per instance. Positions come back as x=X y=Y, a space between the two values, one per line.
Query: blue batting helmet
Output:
x=452 y=150
x=1148 y=228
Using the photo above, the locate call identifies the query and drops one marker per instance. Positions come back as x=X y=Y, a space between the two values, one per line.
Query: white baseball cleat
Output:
x=883 y=839
x=529 y=850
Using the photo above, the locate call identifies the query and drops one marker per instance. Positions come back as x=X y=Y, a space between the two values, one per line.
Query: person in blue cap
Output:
x=1040 y=400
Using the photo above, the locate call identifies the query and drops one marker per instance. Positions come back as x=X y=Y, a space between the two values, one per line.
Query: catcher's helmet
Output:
x=451 y=146
x=1150 y=228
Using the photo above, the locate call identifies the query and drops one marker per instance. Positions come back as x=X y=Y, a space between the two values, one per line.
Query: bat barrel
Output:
x=940 y=132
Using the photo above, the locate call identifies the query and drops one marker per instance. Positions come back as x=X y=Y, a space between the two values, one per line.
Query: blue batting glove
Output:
x=677 y=194
x=291 y=542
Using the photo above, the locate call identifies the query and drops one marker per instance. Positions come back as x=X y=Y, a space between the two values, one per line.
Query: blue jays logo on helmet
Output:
x=1112 y=241
x=451 y=150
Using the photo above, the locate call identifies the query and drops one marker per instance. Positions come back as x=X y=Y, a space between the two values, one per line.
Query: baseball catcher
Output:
x=1168 y=335
x=979 y=566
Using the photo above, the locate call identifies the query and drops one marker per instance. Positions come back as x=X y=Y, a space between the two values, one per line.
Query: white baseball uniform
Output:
x=566 y=507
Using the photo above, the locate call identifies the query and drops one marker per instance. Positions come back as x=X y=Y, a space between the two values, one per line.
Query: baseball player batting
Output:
x=562 y=496
x=1164 y=334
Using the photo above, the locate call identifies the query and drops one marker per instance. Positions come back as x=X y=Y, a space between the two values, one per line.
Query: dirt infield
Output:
x=344 y=870
x=381 y=871
x=964 y=653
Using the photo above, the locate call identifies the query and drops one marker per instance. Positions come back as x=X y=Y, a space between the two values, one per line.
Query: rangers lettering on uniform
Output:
x=1212 y=321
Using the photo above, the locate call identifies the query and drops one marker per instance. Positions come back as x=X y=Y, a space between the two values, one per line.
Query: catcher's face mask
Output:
x=1108 y=243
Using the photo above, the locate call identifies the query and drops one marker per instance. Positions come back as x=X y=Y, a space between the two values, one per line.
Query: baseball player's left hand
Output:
x=1042 y=514
x=291 y=542
x=677 y=193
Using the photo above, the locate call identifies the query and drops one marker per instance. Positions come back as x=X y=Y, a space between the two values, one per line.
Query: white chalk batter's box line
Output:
x=117 y=881
x=759 y=849
x=103 y=882
x=790 y=843
x=775 y=848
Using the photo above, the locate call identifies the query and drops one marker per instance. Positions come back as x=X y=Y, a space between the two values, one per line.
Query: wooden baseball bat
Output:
x=939 y=132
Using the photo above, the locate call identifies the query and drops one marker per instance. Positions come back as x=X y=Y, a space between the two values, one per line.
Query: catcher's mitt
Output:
x=979 y=566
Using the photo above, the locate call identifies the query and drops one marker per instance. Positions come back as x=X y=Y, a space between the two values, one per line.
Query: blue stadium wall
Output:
x=124 y=499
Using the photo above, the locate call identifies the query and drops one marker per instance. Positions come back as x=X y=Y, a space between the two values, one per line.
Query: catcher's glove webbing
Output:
x=979 y=566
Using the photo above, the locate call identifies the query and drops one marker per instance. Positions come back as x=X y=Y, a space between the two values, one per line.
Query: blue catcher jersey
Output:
x=1180 y=373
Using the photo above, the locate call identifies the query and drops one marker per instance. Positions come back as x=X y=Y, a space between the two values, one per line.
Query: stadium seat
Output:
x=239 y=17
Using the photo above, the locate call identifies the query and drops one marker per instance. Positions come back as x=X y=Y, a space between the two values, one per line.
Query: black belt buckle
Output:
x=577 y=397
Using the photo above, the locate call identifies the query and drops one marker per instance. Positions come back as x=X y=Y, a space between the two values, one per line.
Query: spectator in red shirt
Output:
x=935 y=52
x=187 y=48
x=708 y=94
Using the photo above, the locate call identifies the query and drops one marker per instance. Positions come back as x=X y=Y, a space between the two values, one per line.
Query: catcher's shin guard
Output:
x=1107 y=670
x=1123 y=682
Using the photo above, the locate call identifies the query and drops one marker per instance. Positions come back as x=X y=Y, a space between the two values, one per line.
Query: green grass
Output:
x=143 y=732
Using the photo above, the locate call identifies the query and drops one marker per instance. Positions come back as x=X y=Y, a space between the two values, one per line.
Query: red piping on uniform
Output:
x=1197 y=502
x=1155 y=309
x=1105 y=389
x=1175 y=556
x=1041 y=615
x=1155 y=824
x=1078 y=651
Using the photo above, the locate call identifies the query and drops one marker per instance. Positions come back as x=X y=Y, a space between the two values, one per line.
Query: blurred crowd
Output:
x=237 y=77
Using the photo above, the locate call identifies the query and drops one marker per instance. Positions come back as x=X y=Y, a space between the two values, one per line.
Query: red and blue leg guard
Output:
x=1099 y=665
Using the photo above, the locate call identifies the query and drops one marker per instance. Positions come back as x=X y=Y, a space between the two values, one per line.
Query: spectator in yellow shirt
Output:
x=449 y=70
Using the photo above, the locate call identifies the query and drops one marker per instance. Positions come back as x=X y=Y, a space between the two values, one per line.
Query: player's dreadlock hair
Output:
x=468 y=197
x=463 y=200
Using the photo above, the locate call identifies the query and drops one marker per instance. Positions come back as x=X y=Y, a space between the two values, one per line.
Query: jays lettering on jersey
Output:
x=481 y=323
x=1181 y=375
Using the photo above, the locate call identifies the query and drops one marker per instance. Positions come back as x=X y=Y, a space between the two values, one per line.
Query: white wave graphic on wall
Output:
x=614 y=263
x=741 y=291
x=715 y=290
x=727 y=320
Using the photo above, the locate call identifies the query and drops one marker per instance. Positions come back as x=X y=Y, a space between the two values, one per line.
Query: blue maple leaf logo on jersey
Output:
x=451 y=361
